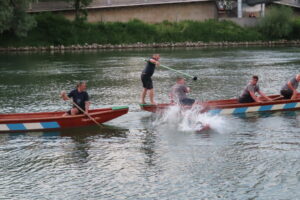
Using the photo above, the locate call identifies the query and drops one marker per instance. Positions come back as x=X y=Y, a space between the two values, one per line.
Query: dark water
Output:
x=138 y=156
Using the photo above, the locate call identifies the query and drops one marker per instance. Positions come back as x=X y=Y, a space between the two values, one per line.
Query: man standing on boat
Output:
x=248 y=95
x=289 y=90
x=147 y=73
x=80 y=99
x=179 y=92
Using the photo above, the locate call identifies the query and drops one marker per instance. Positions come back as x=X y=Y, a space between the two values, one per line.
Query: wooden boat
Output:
x=20 y=122
x=231 y=106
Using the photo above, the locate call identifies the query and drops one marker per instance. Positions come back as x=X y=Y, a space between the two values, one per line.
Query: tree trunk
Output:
x=77 y=9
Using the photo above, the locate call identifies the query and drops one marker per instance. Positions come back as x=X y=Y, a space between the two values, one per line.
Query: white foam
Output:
x=190 y=120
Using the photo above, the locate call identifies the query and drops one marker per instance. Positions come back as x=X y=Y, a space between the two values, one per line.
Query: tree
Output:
x=13 y=17
x=277 y=23
x=80 y=8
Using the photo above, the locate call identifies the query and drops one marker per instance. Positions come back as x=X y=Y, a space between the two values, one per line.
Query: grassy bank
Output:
x=56 y=30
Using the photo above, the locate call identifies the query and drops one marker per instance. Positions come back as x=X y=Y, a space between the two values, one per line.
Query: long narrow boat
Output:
x=45 y=121
x=231 y=106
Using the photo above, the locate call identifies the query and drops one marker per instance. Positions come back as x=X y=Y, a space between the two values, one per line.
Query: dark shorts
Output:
x=147 y=82
x=79 y=111
x=246 y=99
x=187 y=102
x=287 y=94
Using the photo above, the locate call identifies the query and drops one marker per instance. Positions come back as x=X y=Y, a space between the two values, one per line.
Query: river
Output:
x=140 y=155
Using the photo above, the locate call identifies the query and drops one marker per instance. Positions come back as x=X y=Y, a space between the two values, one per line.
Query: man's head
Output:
x=81 y=86
x=298 y=77
x=180 y=80
x=156 y=56
x=254 y=80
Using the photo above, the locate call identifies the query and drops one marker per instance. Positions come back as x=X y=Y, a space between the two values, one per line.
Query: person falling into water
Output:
x=289 y=90
x=179 y=93
x=79 y=97
x=147 y=73
x=248 y=95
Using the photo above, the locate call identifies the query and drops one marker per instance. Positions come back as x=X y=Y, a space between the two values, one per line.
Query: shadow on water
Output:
x=77 y=141
x=75 y=133
x=257 y=115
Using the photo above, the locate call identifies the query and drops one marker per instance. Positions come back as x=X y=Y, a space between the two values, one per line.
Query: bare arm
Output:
x=188 y=90
x=171 y=95
x=87 y=106
x=64 y=96
x=295 y=93
x=154 y=62
x=291 y=87
x=254 y=97
x=265 y=96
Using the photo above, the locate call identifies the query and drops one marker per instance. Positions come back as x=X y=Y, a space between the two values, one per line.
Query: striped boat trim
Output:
x=29 y=126
x=228 y=111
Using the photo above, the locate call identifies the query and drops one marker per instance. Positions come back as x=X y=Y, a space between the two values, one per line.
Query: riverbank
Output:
x=153 y=45
x=54 y=32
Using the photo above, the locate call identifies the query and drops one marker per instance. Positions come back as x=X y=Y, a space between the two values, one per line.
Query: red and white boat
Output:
x=45 y=121
x=232 y=106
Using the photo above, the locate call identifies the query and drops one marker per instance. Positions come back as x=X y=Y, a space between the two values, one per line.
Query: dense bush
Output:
x=278 y=22
x=295 y=34
x=56 y=30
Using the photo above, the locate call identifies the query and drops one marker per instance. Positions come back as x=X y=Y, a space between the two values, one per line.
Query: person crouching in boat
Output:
x=289 y=90
x=79 y=97
x=248 y=95
x=179 y=92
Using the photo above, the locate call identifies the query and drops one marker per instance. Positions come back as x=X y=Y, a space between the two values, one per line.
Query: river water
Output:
x=142 y=155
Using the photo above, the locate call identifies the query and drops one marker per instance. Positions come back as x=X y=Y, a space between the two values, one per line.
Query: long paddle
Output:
x=194 y=77
x=89 y=116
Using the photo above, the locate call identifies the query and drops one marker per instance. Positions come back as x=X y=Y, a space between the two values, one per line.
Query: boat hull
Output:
x=46 y=121
x=231 y=106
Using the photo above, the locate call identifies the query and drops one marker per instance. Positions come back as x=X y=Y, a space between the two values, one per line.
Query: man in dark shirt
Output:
x=80 y=97
x=146 y=78
x=248 y=95
x=289 y=90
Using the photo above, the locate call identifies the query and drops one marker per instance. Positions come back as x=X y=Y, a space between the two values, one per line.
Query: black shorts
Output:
x=79 y=111
x=147 y=82
x=187 y=102
x=287 y=94
x=246 y=99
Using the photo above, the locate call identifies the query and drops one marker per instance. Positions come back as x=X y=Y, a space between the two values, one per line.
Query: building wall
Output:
x=199 y=11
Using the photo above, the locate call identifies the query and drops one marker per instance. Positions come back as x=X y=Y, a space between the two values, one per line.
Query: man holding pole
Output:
x=147 y=73
x=80 y=99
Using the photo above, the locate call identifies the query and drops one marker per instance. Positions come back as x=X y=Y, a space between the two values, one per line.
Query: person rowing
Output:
x=179 y=93
x=289 y=90
x=248 y=95
x=79 y=97
x=147 y=73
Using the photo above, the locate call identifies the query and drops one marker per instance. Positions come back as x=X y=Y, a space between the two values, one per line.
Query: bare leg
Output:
x=144 y=92
x=152 y=96
x=294 y=95
x=74 y=111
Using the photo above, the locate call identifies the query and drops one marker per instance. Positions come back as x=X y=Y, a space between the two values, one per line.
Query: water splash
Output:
x=192 y=119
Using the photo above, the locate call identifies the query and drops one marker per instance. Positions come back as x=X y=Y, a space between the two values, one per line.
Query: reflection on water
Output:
x=142 y=155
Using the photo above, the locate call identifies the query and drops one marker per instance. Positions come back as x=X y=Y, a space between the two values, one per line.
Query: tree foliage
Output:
x=80 y=8
x=13 y=17
x=278 y=22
